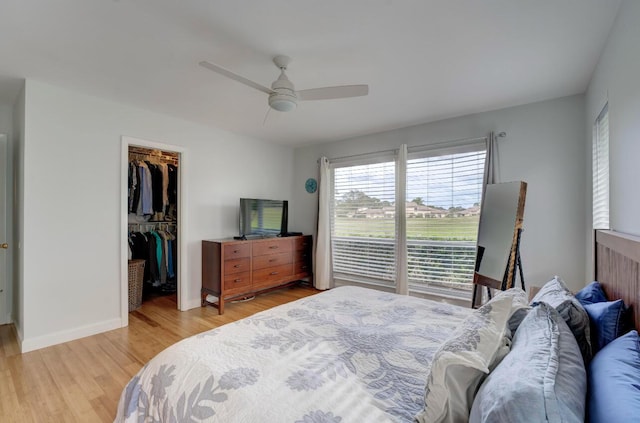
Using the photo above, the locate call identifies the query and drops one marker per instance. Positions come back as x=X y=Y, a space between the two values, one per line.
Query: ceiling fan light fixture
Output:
x=283 y=102
x=283 y=96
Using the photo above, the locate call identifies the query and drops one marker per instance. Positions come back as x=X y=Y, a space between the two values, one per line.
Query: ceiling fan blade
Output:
x=328 y=93
x=235 y=77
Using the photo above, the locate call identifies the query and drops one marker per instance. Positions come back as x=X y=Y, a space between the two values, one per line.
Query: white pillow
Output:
x=462 y=362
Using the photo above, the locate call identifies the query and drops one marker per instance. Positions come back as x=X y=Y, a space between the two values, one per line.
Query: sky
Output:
x=453 y=180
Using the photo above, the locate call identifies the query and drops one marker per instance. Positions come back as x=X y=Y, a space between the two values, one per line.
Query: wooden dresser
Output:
x=234 y=269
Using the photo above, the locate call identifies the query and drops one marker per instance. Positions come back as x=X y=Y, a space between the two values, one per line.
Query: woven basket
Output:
x=136 y=274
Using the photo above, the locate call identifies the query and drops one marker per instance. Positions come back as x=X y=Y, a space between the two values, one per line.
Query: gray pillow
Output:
x=542 y=379
x=556 y=294
x=519 y=308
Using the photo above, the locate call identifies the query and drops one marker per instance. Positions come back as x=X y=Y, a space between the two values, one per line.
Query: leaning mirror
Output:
x=500 y=223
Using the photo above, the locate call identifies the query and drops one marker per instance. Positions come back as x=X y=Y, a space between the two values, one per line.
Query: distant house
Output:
x=471 y=211
x=389 y=211
x=372 y=213
x=426 y=211
x=413 y=210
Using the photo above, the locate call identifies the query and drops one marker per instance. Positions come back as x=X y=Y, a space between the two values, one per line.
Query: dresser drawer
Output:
x=302 y=255
x=271 y=247
x=272 y=274
x=234 y=251
x=302 y=267
x=237 y=266
x=271 y=260
x=303 y=243
x=237 y=282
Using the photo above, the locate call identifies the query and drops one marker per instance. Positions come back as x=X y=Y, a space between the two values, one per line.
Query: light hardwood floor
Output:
x=81 y=381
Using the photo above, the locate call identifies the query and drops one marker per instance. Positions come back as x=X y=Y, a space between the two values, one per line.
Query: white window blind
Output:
x=444 y=190
x=363 y=222
x=440 y=219
x=601 y=170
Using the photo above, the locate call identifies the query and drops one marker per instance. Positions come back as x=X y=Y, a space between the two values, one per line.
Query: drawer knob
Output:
x=274 y=273
x=303 y=267
x=273 y=247
x=272 y=260
x=236 y=251
x=237 y=280
x=237 y=266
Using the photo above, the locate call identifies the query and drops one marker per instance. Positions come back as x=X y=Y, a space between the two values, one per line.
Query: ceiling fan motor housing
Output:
x=284 y=98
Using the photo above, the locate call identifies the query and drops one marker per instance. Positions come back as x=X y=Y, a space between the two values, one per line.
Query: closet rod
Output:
x=152 y=151
x=138 y=156
x=141 y=225
x=154 y=223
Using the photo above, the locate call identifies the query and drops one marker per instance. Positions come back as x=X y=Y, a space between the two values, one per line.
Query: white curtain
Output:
x=401 y=228
x=491 y=175
x=323 y=279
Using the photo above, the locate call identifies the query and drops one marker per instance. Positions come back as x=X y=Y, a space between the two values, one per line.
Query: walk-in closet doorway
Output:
x=153 y=220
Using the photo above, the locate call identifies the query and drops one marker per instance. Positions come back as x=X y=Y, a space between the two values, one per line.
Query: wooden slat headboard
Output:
x=617 y=265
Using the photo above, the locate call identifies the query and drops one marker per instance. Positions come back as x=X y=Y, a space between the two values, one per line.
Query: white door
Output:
x=4 y=292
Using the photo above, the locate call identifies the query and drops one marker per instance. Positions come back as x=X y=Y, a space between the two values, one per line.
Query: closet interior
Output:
x=152 y=223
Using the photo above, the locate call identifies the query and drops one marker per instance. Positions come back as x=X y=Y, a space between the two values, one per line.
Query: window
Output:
x=601 y=170
x=444 y=190
x=439 y=219
x=363 y=225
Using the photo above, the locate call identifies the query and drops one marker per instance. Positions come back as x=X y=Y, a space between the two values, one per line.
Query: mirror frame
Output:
x=508 y=280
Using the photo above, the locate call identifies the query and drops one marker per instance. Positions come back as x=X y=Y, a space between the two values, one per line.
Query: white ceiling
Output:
x=424 y=60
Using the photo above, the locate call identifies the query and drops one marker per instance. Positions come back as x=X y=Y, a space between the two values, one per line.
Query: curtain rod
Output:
x=436 y=144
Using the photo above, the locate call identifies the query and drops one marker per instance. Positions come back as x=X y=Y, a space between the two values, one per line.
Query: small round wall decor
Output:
x=311 y=185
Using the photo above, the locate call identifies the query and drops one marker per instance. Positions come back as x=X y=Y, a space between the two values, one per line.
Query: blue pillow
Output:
x=542 y=379
x=591 y=293
x=614 y=381
x=607 y=322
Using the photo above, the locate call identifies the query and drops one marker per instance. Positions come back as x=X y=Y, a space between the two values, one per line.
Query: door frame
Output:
x=7 y=297
x=124 y=220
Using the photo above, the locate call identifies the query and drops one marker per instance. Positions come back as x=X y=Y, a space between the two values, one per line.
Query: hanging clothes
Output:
x=152 y=189
x=156 y=186
x=172 y=188
x=133 y=186
x=164 y=169
x=154 y=270
x=152 y=195
x=140 y=251
x=145 y=204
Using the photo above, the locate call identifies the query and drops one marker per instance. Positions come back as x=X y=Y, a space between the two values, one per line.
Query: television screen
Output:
x=263 y=217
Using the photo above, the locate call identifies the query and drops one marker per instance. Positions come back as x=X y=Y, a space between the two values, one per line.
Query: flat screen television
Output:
x=263 y=218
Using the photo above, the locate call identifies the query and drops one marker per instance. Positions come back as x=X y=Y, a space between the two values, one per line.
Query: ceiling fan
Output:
x=282 y=94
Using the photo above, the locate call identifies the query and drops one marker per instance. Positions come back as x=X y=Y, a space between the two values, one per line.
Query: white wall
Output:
x=616 y=80
x=18 y=212
x=72 y=204
x=544 y=147
x=6 y=119
x=6 y=297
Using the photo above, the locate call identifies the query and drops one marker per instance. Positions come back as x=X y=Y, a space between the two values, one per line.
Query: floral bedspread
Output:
x=345 y=355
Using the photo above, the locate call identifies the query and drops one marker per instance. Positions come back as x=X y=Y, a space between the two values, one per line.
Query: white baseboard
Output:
x=191 y=303
x=18 y=331
x=43 y=341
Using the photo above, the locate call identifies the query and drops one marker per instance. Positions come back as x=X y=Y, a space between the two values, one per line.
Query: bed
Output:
x=345 y=355
x=617 y=267
x=348 y=354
